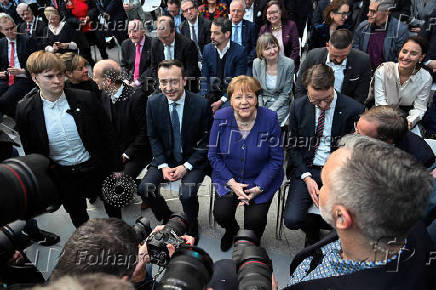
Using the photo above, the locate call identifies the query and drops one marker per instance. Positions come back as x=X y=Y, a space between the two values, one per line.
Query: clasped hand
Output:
x=174 y=174
x=244 y=195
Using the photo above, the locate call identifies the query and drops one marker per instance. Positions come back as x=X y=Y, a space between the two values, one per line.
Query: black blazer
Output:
x=128 y=53
x=129 y=123
x=92 y=124
x=258 y=18
x=357 y=75
x=38 y=30
x=25 y=46
x=203 y=36
x=66 y=35
x=249 y=39
x=302 y=136
x=184 y=51
x=196 y=123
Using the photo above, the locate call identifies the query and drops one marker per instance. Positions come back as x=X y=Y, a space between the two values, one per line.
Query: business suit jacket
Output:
x=184 y=50
x=92 y=124
x=25 y=46
x=249 y=39
x=291 y=41
x=256 y=160
x=128 y=54
x=357 y=75
x=129 y=124
x=38 y=30
x=418 y=148
x=281 y=96
x=203 y=36
x=194 y=134
x=236 y=65
x=258 y=17
x=302 y=136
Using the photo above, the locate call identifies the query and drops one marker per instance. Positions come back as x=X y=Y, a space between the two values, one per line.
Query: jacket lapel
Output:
x=280 y=72
x=165 y=113
x=187 y=113
x=337 y=117
x=177 y=47
x=38 y=122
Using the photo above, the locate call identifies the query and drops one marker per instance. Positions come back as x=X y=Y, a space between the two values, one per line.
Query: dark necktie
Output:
x=195 y=40
x=177 y=140
x=319 y=131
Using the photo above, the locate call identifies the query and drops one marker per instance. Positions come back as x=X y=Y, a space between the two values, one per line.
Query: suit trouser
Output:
x=10 y=95
x=187 y=193
x=255 y=215
x=75 y=184
x=299 y=201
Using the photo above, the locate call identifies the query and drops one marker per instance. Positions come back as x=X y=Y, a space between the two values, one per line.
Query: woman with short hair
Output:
x=246 y=155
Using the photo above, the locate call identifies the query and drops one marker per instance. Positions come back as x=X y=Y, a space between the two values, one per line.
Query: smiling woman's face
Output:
x=244 y=103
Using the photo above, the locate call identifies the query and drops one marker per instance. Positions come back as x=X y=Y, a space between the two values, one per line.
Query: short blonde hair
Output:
x=245 y=84
x=48 y=11
x=263 y=41
x=72 y=60
x=41 y=61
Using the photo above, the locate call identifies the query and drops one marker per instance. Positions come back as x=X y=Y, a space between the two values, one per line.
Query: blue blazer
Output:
x=256 y=160
x=236 y=64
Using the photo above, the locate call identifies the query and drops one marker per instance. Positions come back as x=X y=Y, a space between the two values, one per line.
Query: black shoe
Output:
x=45 y=238
x=227 y=239
x=194 y=233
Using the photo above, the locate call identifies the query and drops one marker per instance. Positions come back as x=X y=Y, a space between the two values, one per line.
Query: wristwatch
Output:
x=261 y=188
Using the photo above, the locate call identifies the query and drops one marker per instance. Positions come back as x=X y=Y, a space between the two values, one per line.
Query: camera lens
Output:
x=142 y=229
x=27 y=189
x=178 y=223
x=188 y=269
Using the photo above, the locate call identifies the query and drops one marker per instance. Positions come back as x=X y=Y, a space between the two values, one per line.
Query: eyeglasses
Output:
x=272 y=12
x=343 y=14
x=314 y=102
x=188 y=9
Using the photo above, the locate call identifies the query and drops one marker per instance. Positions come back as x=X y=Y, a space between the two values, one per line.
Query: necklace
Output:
x=245 y=125
x=276 y=28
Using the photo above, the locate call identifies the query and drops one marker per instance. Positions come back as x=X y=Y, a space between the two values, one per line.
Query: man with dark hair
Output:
x=173 y=9
x=194 y=27
x=389 y=124
x=70 y=127
x=351 y=66
x=374 y=195
x=178 y=124
x=14 y=50
x=316 y=122
x=125 y=107
x=222 y=60
x=136 y=57
x=243 y=32
x=171 y=45
x=381 y=36
x=96 y=240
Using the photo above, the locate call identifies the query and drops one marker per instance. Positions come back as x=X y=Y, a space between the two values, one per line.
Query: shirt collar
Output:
x=239 y=24
x=180 y=101
x=51 y=104
x=195 y=23
x=330 y=63
x=117 y=95
x=11 y=40
x=221 y=54
x=172 y=43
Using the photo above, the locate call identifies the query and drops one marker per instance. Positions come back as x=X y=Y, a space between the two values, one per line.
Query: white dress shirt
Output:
x=222 y=53
x=249 y=13
x=179 y=109
x=16 y=60
x=195 y=26
x=338 y=69
x=65 y=145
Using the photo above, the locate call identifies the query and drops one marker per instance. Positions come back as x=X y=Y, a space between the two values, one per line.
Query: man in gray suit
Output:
x=351 y=66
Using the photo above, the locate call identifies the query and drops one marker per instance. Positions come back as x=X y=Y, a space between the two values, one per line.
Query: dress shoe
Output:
x=227 y=239
x=45 y=238
x=143 y=205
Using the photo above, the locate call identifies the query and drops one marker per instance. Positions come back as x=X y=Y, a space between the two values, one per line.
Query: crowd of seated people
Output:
x=225 y=89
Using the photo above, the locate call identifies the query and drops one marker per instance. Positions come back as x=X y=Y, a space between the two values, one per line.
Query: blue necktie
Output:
x=236 y=34
x=177 y=140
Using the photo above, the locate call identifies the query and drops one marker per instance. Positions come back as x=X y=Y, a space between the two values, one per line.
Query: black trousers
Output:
x=10 y=95
x=148 y=189
x=76 y=183
x=255 y=215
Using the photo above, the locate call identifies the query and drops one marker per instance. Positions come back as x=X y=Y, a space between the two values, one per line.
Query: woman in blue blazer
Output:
x=246 y=155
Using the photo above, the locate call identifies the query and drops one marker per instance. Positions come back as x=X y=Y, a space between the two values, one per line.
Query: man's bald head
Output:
x=107 y=74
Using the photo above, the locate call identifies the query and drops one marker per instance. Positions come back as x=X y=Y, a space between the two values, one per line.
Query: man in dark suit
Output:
x=115 y=16
x=125 y=107
x=389 y=124
x=171 y=45
x=316 y=123
x=194 y=27
x=254 y=12
x=14 y=51
x=136 y=57
x=301 y=12
x=351 y=66
x=31 y=26
x=173 y=9
x=178 y=123
x=243 y=32
x=70 y=127
x=222 y=60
